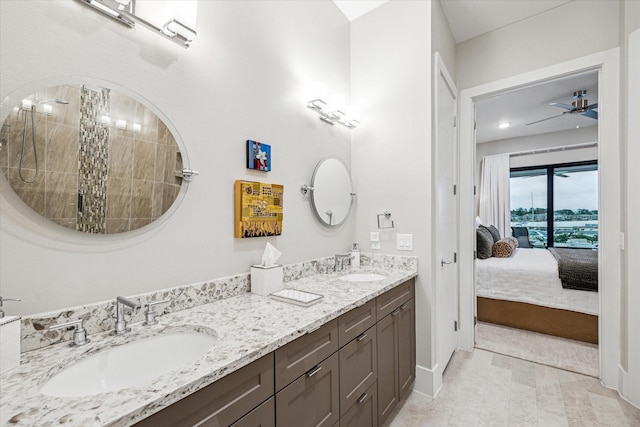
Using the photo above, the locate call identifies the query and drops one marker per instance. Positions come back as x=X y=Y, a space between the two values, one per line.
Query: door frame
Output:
x=440 y=69
x=607 y=64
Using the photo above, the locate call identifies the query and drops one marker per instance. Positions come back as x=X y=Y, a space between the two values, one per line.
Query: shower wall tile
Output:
x=156 y=203
x=61 y=195
x=163 y=133
x=144 y=157
x=15 y=143
x=32 y=194
x=119 y=198
x=141 y=199
x=170 y=165
x=160 y=162
x=149 y=131
x=68 y=114
x=66 y=222
x=62 y=148
x=121 y=155
x=118 y=225
x=140 y=222
x=169 y=195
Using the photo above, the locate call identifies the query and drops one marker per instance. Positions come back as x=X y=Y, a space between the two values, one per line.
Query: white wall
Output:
x=243 y=78
x=442 y=40
x=391 y=154
x=573 y=30
x=542 y=141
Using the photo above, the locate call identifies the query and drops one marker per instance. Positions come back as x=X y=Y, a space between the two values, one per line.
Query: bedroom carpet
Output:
x=575 y=356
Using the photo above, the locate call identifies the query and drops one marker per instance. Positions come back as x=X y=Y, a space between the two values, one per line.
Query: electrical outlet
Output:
x=404 y=242
x=375 y=236
x=375 y=245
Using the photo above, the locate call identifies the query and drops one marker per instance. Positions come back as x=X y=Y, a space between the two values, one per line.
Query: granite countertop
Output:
x=247 y=326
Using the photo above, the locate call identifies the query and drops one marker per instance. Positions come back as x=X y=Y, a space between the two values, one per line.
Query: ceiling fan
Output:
x=580 y=105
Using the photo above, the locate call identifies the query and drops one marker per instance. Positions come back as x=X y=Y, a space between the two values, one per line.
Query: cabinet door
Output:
x=388 y=393
x=221 y=403
x=356 y=321
x=313 y=399
x=299 y=356
x=364 y=413
x=358 y=368
x=405 y=319
x=263 y=416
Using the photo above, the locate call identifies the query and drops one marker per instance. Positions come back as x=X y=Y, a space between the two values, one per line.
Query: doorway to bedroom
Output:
x=536 y=272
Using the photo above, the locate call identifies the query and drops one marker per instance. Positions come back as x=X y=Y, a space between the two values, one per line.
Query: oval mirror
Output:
x=90 y=159
x=332 y=191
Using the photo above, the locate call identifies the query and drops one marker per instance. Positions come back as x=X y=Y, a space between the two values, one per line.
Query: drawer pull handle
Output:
x=362 y=398
x=361 y=336
x=403 y=306
x=313 y=371
x=395 y=312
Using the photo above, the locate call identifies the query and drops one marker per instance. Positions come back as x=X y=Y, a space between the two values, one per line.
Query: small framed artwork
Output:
x=258 y=209
x=258 y=156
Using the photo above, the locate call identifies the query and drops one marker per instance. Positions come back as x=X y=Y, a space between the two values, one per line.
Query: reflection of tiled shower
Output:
x=93 y=160
x=95 y=177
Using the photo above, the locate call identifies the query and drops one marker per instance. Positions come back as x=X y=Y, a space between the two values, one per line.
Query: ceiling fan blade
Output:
x=592 y=106
x=548 y=118
x=591 y=114
x=565 y=106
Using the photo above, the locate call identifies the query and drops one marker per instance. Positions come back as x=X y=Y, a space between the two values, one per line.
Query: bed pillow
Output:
x=484 y=243
x=503 y=248
x=494 y=232
x=514 y=240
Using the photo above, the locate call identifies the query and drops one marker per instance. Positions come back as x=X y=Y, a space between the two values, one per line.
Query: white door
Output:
x=446 y=268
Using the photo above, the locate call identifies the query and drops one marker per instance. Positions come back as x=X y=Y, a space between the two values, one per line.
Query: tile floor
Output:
x=482 y=388
x=562 y=353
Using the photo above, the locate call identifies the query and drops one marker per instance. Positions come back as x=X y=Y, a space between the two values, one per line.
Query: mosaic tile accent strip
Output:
x=93 y=161
x=98 y=317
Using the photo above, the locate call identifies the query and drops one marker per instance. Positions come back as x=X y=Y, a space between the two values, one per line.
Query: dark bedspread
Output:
x=577 y=268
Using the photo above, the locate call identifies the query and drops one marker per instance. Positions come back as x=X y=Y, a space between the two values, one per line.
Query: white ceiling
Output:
x=529 y=104
x=353 y=9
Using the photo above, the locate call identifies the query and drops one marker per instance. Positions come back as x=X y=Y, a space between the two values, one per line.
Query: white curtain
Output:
x=494 y=193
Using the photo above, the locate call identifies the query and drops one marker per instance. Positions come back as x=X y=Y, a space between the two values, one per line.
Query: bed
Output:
x=525 y=291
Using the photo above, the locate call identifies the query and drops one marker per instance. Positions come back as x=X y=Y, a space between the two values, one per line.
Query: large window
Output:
x=569 y=191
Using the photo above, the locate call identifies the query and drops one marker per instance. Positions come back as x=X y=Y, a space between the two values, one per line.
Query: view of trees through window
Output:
x=570 y=191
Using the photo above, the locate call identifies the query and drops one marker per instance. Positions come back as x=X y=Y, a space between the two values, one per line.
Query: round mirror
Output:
x=90 y=159
x=332 y=191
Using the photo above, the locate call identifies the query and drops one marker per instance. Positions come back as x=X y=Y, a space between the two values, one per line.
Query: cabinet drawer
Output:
x=364 y=412
x=221 y=403
x=297 y=357
x=356 y=321
x=311 y=400
x=394 y=298
x=358 y=368
x=263 y=416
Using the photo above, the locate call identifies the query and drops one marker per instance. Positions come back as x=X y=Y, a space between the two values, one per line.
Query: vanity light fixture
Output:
x=332 y=111
x=136 y=127
x=124 y=11
x=26 y=104
x=106 y=120
x=121 y=124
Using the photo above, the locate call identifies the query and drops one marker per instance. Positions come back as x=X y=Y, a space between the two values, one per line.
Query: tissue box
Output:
x=9 y=343
x=265 y=280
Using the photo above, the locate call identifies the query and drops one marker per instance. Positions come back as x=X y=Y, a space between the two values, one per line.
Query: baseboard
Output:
x=428 y=381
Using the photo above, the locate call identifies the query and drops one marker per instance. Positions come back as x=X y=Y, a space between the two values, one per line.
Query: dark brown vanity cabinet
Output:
x=395 y=347
x=350 y=372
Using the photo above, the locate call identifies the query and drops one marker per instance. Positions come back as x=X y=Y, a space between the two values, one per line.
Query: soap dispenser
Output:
x=355 y=256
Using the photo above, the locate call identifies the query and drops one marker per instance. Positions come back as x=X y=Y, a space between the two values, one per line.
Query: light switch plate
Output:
x=405 y=242
x=375 y=236
x=375 y=245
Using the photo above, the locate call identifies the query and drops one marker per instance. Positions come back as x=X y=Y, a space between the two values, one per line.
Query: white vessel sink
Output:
x=129 y=364
x=362 y=277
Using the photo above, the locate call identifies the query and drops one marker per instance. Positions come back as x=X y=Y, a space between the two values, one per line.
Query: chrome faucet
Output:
x=79 y=335
x=339 y=260
x=121 y=324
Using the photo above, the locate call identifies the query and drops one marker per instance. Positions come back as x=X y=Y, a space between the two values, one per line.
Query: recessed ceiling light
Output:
x=504 y=125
